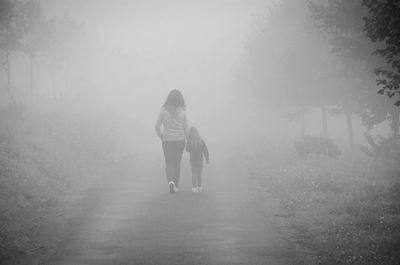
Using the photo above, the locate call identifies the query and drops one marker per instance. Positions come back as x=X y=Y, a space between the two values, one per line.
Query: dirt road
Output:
x=132 y=219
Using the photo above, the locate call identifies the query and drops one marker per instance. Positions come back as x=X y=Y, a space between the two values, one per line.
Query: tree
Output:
x=382 y=24
x=63 y=32
x=289 y=62
x=54 y=53
x=37 y=34
x=10 y=34
x=343 y=22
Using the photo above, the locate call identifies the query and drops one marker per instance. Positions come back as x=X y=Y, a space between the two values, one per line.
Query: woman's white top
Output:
x=174 y=122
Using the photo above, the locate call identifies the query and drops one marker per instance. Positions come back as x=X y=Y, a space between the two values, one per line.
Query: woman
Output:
x=175 y=125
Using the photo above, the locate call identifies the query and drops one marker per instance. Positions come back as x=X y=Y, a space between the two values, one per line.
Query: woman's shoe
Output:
x=200 y=189
x=195 y=190
x=172 y=187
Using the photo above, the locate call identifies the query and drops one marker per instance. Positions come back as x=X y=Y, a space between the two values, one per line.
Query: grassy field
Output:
x=343 y=211
x=43 y=159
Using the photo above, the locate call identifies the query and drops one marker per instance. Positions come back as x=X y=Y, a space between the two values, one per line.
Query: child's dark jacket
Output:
x=196 y=154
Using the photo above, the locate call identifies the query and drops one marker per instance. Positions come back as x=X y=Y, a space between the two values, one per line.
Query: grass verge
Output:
x=43 y=159
x=347 y=211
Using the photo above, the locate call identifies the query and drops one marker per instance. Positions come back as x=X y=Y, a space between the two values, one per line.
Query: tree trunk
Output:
x=395 y=123
x=31 y=79
x=324 y=121
x=8 y=78
x=350 y=128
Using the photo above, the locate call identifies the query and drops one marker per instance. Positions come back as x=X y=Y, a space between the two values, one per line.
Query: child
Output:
x=197 y=148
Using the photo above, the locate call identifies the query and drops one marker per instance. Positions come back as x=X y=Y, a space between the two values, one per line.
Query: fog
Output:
x=128 y=55
x=281 y=101
x=135 y=52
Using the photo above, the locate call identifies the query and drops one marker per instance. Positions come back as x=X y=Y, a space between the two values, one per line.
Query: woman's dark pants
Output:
x=173 y=151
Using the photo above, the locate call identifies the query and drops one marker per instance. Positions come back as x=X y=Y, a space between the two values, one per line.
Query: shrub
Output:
x=316 y=145
x=381 y=147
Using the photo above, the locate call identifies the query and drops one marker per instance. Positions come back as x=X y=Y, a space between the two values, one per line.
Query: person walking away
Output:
x=197 y=148
x=174 y=122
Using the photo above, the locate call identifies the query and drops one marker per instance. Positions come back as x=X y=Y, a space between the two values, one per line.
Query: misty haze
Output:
x=200 y=132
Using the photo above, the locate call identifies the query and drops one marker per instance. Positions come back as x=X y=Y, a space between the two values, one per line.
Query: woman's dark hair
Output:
x=175 y=99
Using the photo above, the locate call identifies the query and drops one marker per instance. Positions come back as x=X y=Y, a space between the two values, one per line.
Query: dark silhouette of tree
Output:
x=54 y=54
x=10 y=34
x=382 y=24
x=63 y=32
x=36 y=35
x=343 y=22
x=292 y=56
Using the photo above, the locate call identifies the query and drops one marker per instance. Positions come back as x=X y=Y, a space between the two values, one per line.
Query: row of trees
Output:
x=294 y=54
x=368 y=32
x=25 y=29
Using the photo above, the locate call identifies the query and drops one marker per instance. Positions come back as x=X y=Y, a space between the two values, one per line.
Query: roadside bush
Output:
x=385 y=148
x=43 y=158
x=316 y=145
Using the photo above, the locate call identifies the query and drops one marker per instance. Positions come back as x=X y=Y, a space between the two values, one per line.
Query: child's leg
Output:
x=199 y=170
x=194 y=174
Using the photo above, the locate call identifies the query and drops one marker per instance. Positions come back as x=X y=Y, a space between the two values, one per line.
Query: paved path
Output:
x=134 y=220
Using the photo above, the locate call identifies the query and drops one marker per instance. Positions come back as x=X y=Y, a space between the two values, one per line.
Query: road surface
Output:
x=132 y=219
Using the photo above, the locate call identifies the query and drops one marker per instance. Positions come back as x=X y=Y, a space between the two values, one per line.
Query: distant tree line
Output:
x=297 y=45
x=25 y=29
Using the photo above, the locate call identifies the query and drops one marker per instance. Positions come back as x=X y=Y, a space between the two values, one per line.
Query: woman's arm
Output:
x=205 y=152
x=157 y=126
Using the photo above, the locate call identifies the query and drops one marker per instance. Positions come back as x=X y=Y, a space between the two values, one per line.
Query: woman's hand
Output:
x=158 y=132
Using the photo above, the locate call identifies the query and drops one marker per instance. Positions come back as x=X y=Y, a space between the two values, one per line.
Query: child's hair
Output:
x=194 y=139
